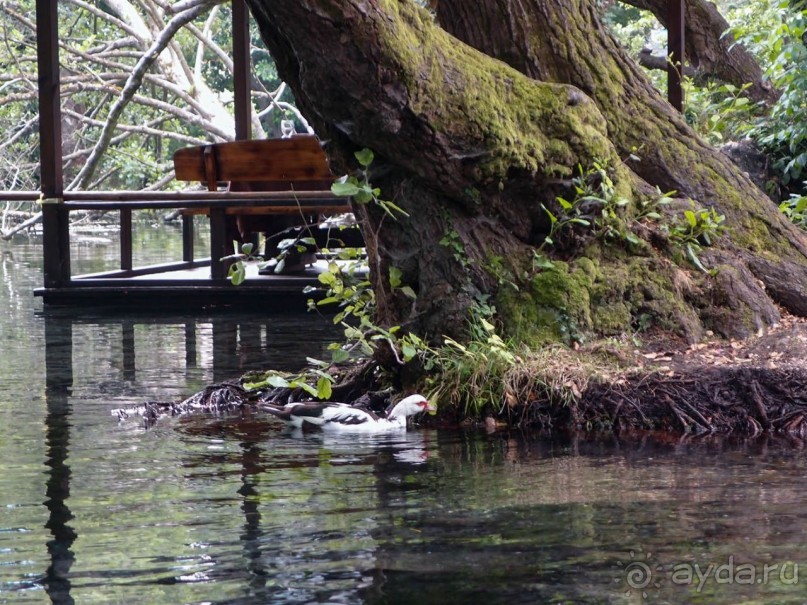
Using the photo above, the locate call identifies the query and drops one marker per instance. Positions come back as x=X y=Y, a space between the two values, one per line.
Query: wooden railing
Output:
x=215 y=203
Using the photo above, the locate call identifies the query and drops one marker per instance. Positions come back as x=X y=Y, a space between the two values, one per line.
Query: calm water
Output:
x=234 y=510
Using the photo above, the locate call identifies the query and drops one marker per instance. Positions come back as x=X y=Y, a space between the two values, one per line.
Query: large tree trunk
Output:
x=471 y=148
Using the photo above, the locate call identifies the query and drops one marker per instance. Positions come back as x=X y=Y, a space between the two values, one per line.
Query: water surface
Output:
x=211 y=509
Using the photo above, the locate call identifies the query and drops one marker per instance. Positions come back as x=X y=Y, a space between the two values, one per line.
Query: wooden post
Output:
x=55 y=224
x=187 y=238
x=126 y=239
x=219 y=246
x=241 y=71
x=675 y=53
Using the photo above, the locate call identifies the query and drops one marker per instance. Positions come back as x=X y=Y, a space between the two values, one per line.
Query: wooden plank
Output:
x=55 y=224
x=187 y=238
x=293 y=160
x=219 y=246
x=176 y=199
x=273 y=209
x=146 y=270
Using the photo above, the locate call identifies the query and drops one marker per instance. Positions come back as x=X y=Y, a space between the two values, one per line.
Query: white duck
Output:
x=343 y=417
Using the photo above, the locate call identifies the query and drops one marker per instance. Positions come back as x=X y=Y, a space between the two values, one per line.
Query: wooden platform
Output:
x=268 y=186
x=183 y=286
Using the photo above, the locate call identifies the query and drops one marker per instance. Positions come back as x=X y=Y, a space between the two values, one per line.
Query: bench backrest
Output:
x=297 y=163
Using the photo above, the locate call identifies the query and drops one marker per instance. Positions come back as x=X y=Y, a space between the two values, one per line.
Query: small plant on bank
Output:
x=595 y=205
x=472 y=373
x=795 y=209
x=697 y=228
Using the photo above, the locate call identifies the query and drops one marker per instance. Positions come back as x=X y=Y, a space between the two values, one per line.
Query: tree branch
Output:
x=132 y=84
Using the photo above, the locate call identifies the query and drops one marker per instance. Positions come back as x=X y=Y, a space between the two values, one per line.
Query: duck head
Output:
x=409 y=406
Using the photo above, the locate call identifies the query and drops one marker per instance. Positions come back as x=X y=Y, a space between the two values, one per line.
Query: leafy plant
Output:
x=696 y=229
x=358 y=187
x=795 y=209
x=237 y=272
x=775 y=32
x=595 y=204
x=472 y=373
x=316 y=373
x=720 y=112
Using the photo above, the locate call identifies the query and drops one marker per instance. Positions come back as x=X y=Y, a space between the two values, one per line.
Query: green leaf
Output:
x=389 y=207
x=692 y=254
x=409 y=292
x=339 y=355
x=566 y=205
x=365 y=157
x=487 y=325
x=542 y=262
x=408 y=351
x=691 y=218
x=237 y=273
x=395 y=277
x=306 y=387
x=344 y=189
x=326 y=278
x=323 y=388
x=364 y=195
x=553 y=219
x=277 y=381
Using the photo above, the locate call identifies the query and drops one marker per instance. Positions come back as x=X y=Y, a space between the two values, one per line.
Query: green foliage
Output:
x=471 y=373
x=595 y=205
x=358 y=187
x=451 y=240
x=720 y=112
x=237 y=272
x=795 y=209
x=346 y=285
x=696 y=229
x=781 y=46
x=315 y=373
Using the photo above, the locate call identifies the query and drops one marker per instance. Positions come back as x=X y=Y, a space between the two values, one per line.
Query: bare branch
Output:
x=139 y=129
x=132 y=84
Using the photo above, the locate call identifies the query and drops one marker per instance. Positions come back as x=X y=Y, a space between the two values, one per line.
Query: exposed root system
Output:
x=722 y=400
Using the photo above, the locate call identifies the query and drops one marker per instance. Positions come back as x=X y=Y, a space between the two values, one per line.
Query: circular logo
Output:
x=639 y=574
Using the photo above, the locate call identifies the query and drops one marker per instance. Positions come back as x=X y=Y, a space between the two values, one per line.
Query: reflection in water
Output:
x=228 y=345
x=59 y=380
x=237 y=510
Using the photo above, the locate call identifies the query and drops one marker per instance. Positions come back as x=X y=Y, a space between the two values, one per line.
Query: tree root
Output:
x=713 y=400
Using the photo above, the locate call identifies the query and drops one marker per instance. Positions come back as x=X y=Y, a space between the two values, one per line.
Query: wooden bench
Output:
x=295 y=171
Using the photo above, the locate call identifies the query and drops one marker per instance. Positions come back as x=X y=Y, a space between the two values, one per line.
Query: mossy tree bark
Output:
x=471 y=148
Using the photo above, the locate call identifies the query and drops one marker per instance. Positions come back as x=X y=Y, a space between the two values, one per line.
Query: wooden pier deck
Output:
x=183 y=286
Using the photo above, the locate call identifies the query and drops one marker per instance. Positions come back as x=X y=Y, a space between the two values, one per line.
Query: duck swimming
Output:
x=343 y=417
